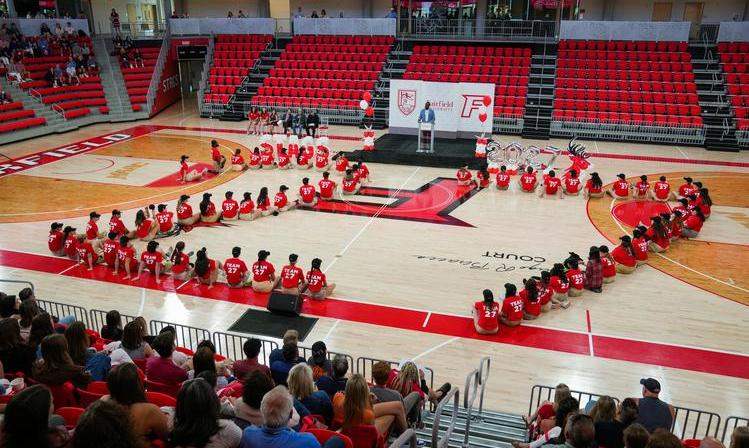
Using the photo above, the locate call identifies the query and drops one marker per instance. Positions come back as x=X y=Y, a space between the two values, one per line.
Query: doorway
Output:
x=662 y=11
x=190 y=72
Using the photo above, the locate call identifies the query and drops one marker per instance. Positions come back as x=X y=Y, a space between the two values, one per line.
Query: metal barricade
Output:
x=364 y=367
x=694 y=423
x=231 y=346
x=732 y=423
x=306 y=353
x=187 y=336
x=408 y=437
x=22 y=282
x=444 y=441
x=540 y=393
x=485 y=366
x=61 y=310
x=99 y=318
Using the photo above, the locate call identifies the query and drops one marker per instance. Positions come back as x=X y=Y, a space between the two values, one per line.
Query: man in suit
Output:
x=426 y=115
x=313 y=122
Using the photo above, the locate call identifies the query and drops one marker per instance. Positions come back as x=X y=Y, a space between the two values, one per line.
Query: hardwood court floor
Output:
x=405 y=285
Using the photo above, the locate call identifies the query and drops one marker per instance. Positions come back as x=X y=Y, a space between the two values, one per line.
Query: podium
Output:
x=426 y=138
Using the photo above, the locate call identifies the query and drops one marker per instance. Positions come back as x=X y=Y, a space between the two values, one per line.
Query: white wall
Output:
x=714 y=11
x=350 y=8
x=219 y=8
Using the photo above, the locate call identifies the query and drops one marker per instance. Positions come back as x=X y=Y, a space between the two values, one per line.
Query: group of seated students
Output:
x=644 y=422
x=218 y=402
x=553 y=288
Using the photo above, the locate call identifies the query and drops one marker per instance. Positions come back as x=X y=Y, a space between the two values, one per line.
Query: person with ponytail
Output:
x=187 y=175
x=545 y=290
x=206 y=269
x=208 y=211
x=263 y=203
x=237 y=161
x=146 y=228
x=560 y=285
x=126 y=257
x=693 y=224
x=70 y=242
x=512 y=307
x=658 y=235
x=639 y=245
x=677 y=224
x=181 y=267
x=152 y=259
x=531 y=300
x=571 y=185
x=185 y=216
x=486 y=314
x=703 y=202
x=642 y=188
x=624 y=256
x=247 y=210
x=608 y=263
x=594 y=271
x=317 y=285
x=594 y=186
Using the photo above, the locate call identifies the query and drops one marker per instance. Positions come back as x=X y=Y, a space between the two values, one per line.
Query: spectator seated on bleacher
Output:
x=336 y=383
x=197 y=419
x=5 y=97
x=380 y=374
x=161 y=368
x=243 y=367
x=15 y=354
x=56 y=367
x=353 y=408
x=302 y=388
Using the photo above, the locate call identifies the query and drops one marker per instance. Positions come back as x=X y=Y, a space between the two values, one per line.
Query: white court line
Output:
x=330 y=331
x=595 y=143
x=590 y=335
x=181 y=285
x=142 y=301
x=436 y=347
x=611 y=208
x=683 y=153
x=67 y=269
x=426 y=321
x=368 y=223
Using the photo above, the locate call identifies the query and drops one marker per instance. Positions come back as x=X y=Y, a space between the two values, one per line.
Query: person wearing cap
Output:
x=464 y=176
x=247 y=210
x=662 y=191
x=292 y=277
x=208 y=211
x=55 y=239
x=229 y=208
x=185 y=215
x=307 y=194
x=319 y=360
x=219 y=160
x=687 y=188
x=653 y=413
x=127 y=257
x=237 y=161
x=624 y=256
x=117 y=226
x=237 y=274
x=284 y=160
x=620 y=189
x=263 y=273
x=281 y=201
x=109 y=249
x=187 y=175
x=165 y=220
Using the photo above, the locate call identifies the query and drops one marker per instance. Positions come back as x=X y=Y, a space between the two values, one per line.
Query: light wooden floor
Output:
x=382 y=261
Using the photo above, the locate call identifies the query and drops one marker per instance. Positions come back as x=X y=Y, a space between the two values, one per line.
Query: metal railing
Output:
x=22 y=282
x=732 y=423
x=61 y=310
x=708 y=32
x=471 y=391
x=524 y=30
x=444 y=441
x=153 y=87
x=306 y=353
x=364 y=367
x=407 y=438
x=538 y=392
x=187 y=336
x=99 y=318
x=694 y=423
x=231 y=346
x=135 y=29
x=207 y=62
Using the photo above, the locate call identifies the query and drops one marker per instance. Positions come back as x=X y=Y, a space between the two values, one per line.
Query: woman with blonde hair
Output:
x=543 y=418
x=354 y=408
x=411 y=379
x=609 y=431
x=302 y=387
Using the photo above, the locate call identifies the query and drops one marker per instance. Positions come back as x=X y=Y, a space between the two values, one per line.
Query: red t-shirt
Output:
x=255 y=159
x=662 y=241
x=623 y=257
x=151 y=259
x=693 y=222
x=341 y=164
x=165 y=221
x=229 y=208
x=528 y=181
x=92 y=230
x=642 y=188
x=264 y=204
x=621 y=188
x=280 y=199
x=84 y=250
x=552 y=185
x=591 y=188
x=512 y=307
x=209 y=272
x=640 y=248
x=183 y=168
x=307 y=193
x=184 y=210
x=503 y=179
x=291 y=276
x=283 y=159
x=487 y=316
x=116 y=225
x=483 y=179
x=576 y=278
x=661 y=189
x=363 y=171
x=109 y=251
x=235 y=270
x=246 y=207
x=558 y=286
x=687 y=189
x=54 y=241
x=544 y=293
x=266 y=158
x=253 y=116
x=262 y=270
x=215 y=154
x=349 y=185
x=315 y=280
x=210 y=210
x=609 y=267
x=531 y=307
x=181 y=264
x=464 y=175
x=125 y=253
x=321 y=160
x=327 y=187
x=144 y=228
x=237 y=159
x=572 y=184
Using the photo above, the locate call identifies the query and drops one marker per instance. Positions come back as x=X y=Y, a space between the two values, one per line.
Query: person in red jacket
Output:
x=528 y=181
x=256 y=159
x=109 y=249
x=687 y=188
x=70 y=242
x=281 y=200
x=642 y=189
x=483 y=178
x=657 y=235
x=512 y=307
x=284 y=160
x=307 y=194
x=624 y=256
x=219 y=160
x=165 y=220
x=486 y=314
x=206 y=269
x=152 y=260
x=181 y=267
x=503 y=178
x=208 y=212
x=55 y=239
x=350 y=184
x=560 y=285
x=341 y=163
x=86 y=254
x=126 y=258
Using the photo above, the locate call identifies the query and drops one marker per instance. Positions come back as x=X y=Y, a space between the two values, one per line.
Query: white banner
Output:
x=345 y=26
x=457 y=106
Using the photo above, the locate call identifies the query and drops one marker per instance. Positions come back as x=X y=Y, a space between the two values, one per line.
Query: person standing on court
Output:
x=426 y=115
x=653 y=412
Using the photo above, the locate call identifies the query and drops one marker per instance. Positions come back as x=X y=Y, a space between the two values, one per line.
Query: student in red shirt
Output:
x=267 y=160
x=552 y=186
x=704 y=202
x=503 y=178
x=576 y=279
x=263 y=273
x=687 y=188
x=219 y=160
x=624 y=256
x=237 y=161
x=528 y=181
x=206 y=269
x=185 y=215
x=693 y=224
x=571 y=185
x=327 y=186
x=109 y=249
x=307 y=194
x=512 y=307
x=620 y=189
x=126 y=257
x=70 y=242
x=181 y=267
x=304 y=161
x=263 y=204
x=545 y=290
x=292 y=277
x=594 y=186
x=657 y=234
x=165 y=220
x=639 y=245
x=317 y=286
x=483 y=177
x=281 y=200
x=186 y=174
x=236 y=270
x=284 y=161
x=642 y=188
x=464 y=176
x=676 y=226
x=362 y=172
x=350 y=185
x=247 y=210
x=486 y=314
x=55 y=239
x=560 y=285
x=255 y=159
x=254 y=124
x=86 y=254
x=92 y=229
x=608 y=263
x=341 y=163
x=229 y=208
x=322 y=159
x=662 y=190
x=117 y=226
x=152 y=260
x=531 y=300
x=208 y=211
x=145 y=228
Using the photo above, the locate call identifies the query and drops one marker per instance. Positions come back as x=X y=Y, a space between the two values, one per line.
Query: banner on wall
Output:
x=456 y=106
x=168 y=90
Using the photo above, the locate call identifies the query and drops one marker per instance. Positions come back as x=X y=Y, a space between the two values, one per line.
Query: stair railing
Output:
x=469 y=398
x=231 y=104
x=444 y=441
x=408 y=437
x=107 y=58
x=206 y=72
x=158 y=69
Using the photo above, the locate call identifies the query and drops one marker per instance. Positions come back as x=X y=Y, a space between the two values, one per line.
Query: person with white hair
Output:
x=276 y=408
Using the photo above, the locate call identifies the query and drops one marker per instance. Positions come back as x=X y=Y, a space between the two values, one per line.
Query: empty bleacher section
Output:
x=137 y=70
x=734 y=57
x=325 y=72
x=233 y=58
x=641 y=91
x=508 y=68
x=14 y=117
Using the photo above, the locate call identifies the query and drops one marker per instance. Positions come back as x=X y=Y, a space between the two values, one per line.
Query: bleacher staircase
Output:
x=717 y=114
x=488 y=430
x=540 y=99
x=394 y=67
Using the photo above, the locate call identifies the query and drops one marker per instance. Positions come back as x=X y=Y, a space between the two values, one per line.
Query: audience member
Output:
x=354 y=407
x=244 y=367
x=336 y=383
x=609 y=431
x=15 y=355
x=739 y=437
x=82 y=354
x=543 y=419
x=203 y=361
x=56 y=367
x=162 y=368
x=277 y=353
x=663 y=438
x=319 y=361
x=132 y=342
x=302 y=388
x=636 y=436
x=628 y=412
x=104 y=424
x=27 y=421
x=247 y=408
x=653 y=413
x=380 y=374
x=579 y=432
x=280 y=369
x=112 y=330
x=196 y=419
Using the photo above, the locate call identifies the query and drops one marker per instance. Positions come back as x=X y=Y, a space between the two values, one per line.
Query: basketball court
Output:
x=410 y=254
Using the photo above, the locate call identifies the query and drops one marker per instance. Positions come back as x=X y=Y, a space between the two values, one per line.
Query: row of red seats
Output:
x=216 y=98
x=22 y=124
x=326 y=83
x=232 y=58
x=340 y=48
x=52 y=99
x=336 y=66
x=742 y=124
x=471 y=60
x=304 y=101
x=588 y=73
x=733 y=47
x=740 y=100
x=522 y=70
x=75 y=104
x=357 y=40
x=509 y=112
x=237 y=63
x=640 y=56
x=503 y=89
x=225 y=80
x=670 y=67
x=15 y=105
x=614 y=84
x=622 y=45
x=741 y=112
x=323 y=74
x=455 y=77
x=737 y=78
x=735 y=57
x=331 y=57
x=16 y=115
x=236 y=54
x=614 y=106
x=626 y=96
x=343 y=94
x=471 y=50
x=736 y=67
x=45 y=91
x=227 y=71
x=243 y=38
x=738 y=89
x=512 y=101
x=224 y=88
x=257 y=46
x=627 y=118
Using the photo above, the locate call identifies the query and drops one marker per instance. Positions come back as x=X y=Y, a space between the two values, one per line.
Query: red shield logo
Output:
x=406 y=101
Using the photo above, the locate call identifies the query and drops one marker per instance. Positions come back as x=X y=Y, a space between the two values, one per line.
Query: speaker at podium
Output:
x=426 y=138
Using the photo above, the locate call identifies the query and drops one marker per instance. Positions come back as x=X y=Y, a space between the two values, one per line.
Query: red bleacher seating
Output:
x=330 y=72
x=506 y=67
x=233 y=57
x=734 y=57
x=14 y=117
x=137 y=79
x=627 y=82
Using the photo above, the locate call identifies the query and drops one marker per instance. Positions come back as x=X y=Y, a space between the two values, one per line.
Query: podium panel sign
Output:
x=456 y=105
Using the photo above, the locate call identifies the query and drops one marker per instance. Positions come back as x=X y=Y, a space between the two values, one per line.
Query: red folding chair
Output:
x=168 y=389
x=160 y=399
x=364 y=436
x=323 y=435
x=71 y=415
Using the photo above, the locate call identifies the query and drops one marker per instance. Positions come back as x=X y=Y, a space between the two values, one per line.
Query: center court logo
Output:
x=472 y=103
x=406 y=101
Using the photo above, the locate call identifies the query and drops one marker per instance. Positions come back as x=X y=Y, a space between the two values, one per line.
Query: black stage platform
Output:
x=401 y=150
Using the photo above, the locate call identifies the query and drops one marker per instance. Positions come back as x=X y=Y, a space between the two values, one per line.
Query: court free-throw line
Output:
x=426 y=320
x=436 y=347
x=369 y=222
x=590 y=334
